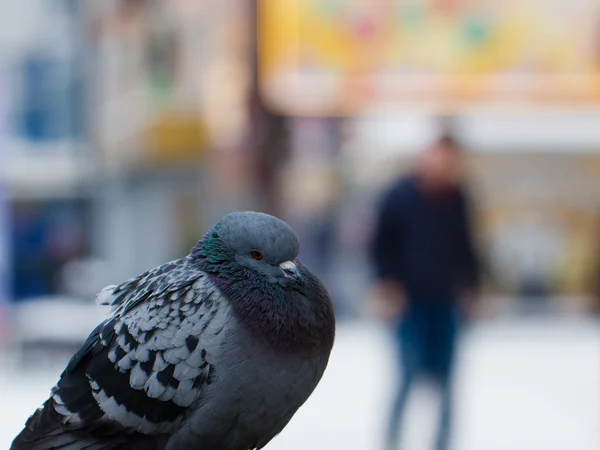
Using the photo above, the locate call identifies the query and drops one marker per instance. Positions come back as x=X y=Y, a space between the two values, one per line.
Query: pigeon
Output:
x=213 y=351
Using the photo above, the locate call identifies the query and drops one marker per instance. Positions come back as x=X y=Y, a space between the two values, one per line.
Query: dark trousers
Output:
x=426 y=339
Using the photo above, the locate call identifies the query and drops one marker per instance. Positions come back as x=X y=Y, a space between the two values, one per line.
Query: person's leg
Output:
x=398 y=409
x=445 y=382
x=408 y=352
x=445 y=418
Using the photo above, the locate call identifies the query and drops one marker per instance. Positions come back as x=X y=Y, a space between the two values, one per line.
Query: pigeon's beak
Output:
x=290 y=270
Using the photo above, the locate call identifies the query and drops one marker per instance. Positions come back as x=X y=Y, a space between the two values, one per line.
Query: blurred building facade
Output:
x=45 y=154
x=129 y=126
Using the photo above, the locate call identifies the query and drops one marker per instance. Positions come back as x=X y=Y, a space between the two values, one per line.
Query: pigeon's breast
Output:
x=254 y=394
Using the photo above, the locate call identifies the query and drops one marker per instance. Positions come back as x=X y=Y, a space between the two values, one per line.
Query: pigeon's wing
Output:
x=140 y=370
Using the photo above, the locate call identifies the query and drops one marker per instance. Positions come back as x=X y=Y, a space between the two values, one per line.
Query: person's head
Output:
x=440 y=165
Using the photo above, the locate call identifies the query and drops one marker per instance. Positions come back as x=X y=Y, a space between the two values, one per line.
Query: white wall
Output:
x=543 y=131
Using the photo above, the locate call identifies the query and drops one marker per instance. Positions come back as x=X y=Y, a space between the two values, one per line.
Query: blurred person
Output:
x=427 y=273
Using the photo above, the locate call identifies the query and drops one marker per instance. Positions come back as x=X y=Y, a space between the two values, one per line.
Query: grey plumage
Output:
x=214 y=351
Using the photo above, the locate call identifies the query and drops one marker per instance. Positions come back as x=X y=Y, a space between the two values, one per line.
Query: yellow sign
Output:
x=175 y=138
x=344 y=56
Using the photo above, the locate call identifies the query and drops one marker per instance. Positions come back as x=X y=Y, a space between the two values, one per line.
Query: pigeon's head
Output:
x=252 y=258
x=260 y=243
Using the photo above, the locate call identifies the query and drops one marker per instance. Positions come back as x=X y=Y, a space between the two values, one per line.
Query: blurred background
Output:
x=128 y=127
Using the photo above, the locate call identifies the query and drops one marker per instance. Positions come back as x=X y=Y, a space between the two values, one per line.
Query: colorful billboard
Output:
x=328 y=57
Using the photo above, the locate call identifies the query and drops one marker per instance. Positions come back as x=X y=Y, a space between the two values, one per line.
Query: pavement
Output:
x=523 y=384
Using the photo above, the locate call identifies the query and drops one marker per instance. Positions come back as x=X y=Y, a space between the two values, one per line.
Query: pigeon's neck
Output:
x=287 y=321
x=296 y=319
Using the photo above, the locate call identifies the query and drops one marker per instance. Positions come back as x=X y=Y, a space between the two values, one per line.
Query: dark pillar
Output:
x=269 y=139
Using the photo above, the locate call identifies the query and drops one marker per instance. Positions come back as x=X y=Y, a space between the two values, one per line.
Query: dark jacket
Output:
x=425 y=242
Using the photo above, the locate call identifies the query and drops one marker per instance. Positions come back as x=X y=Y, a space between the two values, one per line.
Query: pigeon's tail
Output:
x=44 y=430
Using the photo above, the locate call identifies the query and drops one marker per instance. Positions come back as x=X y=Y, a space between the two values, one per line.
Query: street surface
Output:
x=523 y=384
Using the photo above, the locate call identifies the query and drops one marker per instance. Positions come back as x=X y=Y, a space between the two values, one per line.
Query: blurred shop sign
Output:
x=345 y=57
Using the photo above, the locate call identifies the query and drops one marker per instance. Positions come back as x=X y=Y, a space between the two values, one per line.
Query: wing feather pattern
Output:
x=140 y=370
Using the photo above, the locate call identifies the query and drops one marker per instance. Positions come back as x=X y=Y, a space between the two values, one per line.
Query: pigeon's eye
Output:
x=256 y=255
